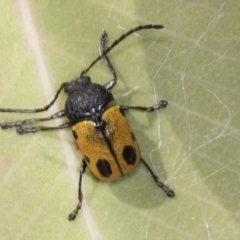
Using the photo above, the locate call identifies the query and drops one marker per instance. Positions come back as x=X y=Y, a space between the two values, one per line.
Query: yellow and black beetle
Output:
x=104 y=137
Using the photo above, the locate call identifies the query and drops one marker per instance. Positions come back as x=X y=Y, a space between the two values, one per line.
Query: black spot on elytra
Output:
x=87 y=159
x=104 y=168
x=75 y=134
x=129 y=155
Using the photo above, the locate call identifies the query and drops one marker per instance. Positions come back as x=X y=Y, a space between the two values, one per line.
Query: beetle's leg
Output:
x=103 y=37
x=19 y=123
x=161 y=104
x=23 y=130
x=74 y=213
x=169 y=192
x=37 y=109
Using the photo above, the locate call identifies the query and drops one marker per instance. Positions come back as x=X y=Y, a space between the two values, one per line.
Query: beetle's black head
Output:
x=86 y=100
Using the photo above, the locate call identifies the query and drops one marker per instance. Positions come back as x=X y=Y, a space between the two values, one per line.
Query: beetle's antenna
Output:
x=37 y=109
x=141 y=27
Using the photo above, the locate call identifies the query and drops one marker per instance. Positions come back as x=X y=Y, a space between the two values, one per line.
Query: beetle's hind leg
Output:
x=169 y=192
x=74 y=213
x=5 y=125
x=103 y=37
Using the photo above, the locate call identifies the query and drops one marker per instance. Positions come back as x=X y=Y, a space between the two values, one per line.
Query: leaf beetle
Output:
x=101 y=130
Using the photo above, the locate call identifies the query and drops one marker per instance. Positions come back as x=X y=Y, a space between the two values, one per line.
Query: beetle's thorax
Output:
x=86 y=100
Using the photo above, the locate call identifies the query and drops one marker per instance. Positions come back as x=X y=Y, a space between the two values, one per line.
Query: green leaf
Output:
x=192 y=145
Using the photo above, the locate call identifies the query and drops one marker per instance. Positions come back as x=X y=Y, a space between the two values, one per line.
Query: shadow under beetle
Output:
x=103 y=135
